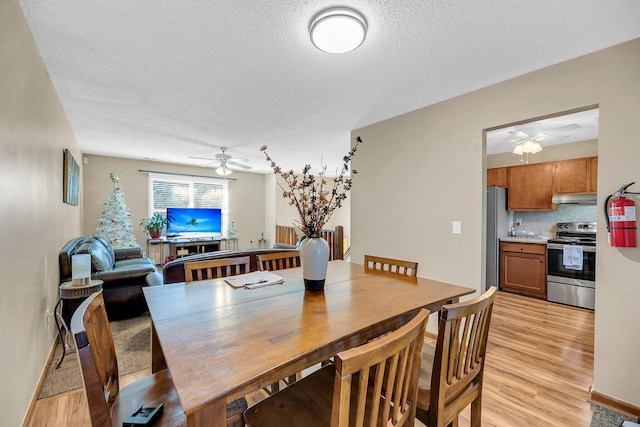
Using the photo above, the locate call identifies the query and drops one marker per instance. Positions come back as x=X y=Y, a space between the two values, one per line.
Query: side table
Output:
x=71 y=296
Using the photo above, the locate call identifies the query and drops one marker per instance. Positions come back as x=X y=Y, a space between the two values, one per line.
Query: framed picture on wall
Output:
x=71 y=179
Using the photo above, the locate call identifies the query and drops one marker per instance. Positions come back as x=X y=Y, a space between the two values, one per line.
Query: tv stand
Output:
x=179 y=247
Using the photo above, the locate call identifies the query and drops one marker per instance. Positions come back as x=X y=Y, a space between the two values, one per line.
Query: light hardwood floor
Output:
x=538 y=371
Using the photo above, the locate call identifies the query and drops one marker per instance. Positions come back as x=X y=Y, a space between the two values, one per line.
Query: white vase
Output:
x=314 y=256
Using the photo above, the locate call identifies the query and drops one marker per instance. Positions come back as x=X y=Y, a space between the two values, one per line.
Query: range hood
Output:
x=575 y=199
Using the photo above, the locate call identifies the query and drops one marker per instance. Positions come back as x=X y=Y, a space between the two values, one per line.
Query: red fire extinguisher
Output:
x=620 y=213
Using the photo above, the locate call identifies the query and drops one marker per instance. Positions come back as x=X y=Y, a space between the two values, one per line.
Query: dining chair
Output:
x=405 y=268
x=451 y=373
x=110 y=405
x=278 y=260
x=213 y=269
x=346 y=394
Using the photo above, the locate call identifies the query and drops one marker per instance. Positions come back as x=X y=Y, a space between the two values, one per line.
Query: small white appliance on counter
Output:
x=571 y=260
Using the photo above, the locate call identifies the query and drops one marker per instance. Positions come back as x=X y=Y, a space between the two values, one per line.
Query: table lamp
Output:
x=81 y=269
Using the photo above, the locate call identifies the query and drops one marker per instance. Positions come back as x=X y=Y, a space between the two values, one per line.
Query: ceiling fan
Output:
x=537 y=131
x=224 y=163
x=527 y=138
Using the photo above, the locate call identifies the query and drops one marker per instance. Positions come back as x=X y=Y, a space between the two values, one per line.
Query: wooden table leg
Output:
x=212 y=415
x=157 y=357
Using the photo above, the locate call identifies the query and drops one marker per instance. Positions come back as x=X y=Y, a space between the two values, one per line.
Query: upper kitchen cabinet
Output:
x=497 y=177
x=575 y=176
x=592 y=186
x=531 y=187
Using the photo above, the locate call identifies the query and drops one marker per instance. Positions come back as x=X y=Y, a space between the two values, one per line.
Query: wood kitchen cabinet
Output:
x=592 y=186
x=523 y=268
x=531 y=187
x=575 y=176
x=498 y=177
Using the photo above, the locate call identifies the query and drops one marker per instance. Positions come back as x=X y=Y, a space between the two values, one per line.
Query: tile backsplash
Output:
x=543 y=224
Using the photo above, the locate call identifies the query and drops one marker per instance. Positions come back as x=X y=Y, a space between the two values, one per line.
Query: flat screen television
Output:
x=204 y=221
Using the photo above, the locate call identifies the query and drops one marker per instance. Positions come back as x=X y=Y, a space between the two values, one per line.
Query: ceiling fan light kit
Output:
x=529 y=146
x=223 y=171
x=338 y=29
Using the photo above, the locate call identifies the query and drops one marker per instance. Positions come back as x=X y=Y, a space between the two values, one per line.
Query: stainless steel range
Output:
x=571 y=271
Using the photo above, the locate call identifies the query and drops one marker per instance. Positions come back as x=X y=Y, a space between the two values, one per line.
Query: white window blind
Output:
x=176 y=191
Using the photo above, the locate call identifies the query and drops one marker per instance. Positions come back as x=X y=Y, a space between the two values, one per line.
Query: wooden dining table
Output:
x=220 y=342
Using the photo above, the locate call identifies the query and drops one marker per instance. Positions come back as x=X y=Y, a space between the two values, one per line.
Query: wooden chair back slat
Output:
x=405 y=268
x=458 y=365
x=108 y=404
x=374 y=384
x=395 y=359
x=278 y=261
x=97 y=357
x=217 y=268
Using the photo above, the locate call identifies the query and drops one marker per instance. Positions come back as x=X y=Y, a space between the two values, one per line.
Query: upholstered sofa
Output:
x=123 y=271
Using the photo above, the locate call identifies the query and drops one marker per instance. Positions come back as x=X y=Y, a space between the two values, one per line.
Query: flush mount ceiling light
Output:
x=338 y=29
x=529 y=146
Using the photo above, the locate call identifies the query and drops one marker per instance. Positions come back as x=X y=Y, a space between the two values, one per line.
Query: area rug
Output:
x=604 y=417
x=132 y=340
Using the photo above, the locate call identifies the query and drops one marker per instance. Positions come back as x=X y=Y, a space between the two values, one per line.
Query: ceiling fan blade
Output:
x=519 y=134
x=554 y=138
x=564 y=128
x=237 y=159
x=238 y=165
x=203 y=158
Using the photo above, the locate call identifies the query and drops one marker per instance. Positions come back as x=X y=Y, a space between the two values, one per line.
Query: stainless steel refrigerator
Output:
x=497 y=226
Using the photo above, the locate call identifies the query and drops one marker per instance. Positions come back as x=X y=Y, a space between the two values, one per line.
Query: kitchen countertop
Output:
x=524 y=240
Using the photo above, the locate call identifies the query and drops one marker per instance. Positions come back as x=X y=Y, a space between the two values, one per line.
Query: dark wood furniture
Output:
x=523 y=268
x=398 y=266
x=108 y=404
x=279 y=261
x=347 y=392
x=224 y=267
x=191 y=246
x=239 y=349
x=454 y=379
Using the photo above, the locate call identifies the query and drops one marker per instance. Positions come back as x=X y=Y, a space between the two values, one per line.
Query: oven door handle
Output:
x=560 y=247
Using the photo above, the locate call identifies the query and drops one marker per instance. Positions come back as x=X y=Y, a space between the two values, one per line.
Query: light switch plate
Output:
x=456 y=227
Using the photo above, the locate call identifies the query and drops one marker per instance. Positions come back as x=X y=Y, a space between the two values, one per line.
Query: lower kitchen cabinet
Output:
x=523 y=268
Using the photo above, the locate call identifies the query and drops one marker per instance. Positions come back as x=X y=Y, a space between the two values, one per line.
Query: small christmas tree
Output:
x=115 y=222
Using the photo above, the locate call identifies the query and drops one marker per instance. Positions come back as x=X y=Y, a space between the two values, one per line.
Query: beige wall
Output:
x=246 y=195
x=34 y=131
x=438 y=176
x=573 y=150
x=406 y=213
x=288 y=215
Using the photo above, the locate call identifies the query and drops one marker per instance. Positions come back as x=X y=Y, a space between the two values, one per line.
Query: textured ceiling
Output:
x=563 y=129
x=167 y=80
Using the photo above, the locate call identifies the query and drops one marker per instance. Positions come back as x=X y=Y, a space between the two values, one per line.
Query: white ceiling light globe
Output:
x=338 y=30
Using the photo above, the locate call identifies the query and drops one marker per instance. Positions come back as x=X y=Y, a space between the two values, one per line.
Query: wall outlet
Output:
x=456 y=227
x=518 y=222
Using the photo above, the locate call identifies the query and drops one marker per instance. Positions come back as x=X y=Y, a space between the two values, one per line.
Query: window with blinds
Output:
x=175 y=191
